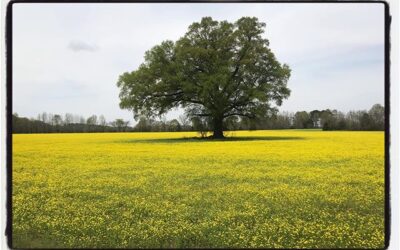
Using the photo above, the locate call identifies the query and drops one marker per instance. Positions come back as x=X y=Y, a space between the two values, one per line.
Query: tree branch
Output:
x=239 y=114
x=238 y=65
x=166 y=95
x=201 y=115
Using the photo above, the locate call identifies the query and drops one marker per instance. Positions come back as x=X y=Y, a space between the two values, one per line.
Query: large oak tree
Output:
x=216 y=70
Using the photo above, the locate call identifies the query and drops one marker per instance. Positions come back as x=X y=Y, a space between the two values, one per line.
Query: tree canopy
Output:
x=216 y=70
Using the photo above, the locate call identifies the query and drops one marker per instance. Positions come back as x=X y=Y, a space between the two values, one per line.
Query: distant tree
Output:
x=82 y=120
x=232 y=123
x=157 y=126
x=282 y=121
x=92 y=120
x=201 y=125
x=50 y=118
x=341 y=124
x=91 y=123
x=325 y=116
x=353 y=119
x=174 y=125
x=366 y=122
x=57 y=120
x=377 y=115
x=69 y=118
x=215 y=71
x=248 y=124
x=144 y=125
x=329 y=119
x=315 y=118
x=121 y=125
x=302 y=120
x=24 y=125
x=43 y=117
x=184 y=120
x=163 y=123
x=102 y=122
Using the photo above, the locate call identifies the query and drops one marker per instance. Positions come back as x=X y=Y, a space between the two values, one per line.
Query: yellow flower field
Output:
x=271 y=189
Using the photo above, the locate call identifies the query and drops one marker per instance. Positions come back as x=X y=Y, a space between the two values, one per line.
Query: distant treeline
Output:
x=54 y=123
x=372 y=119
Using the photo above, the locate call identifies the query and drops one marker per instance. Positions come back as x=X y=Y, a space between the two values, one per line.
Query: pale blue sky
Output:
x=67 y=57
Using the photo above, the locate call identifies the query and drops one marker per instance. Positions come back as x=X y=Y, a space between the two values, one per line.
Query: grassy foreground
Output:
x=274 y=189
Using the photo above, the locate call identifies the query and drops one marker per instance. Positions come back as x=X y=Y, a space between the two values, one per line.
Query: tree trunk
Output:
x=218 y=132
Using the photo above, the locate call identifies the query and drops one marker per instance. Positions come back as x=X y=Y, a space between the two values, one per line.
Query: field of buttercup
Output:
x=273 y=189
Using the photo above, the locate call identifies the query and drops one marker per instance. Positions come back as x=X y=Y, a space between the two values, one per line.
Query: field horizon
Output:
x=265 y=188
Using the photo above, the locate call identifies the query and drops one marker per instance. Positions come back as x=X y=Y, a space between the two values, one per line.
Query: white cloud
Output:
x=77 y=46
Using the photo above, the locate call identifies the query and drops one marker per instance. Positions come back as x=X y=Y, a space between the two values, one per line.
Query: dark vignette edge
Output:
x=8 y=53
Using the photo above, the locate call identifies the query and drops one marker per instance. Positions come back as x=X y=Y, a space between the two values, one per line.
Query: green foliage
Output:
x=374 y=119
x=216 y=70
x=302 y=120
x=49 y=123
x=377 y=114
x=327 y=119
